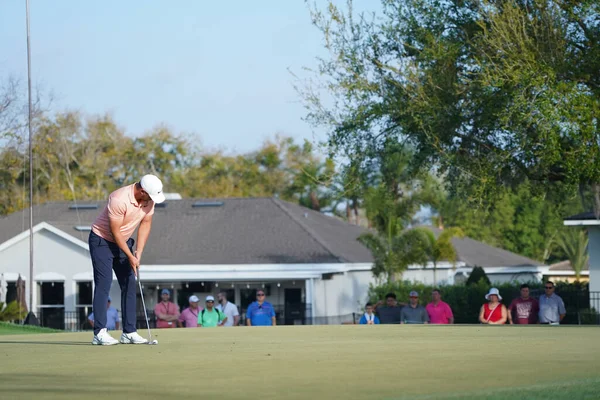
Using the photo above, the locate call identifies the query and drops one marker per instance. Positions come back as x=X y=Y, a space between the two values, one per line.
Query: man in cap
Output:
x=189 y=316
x=111 y=249
x=112 y=317
x=167 y=313
x=210 y=316
x=413 y=313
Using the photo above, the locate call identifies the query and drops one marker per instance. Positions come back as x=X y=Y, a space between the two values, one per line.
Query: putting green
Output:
x=314 y=362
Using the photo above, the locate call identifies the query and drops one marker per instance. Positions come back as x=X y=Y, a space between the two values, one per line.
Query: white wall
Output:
x=343 y=294
x=446 y=276
x=594 y=252
x=54 y=258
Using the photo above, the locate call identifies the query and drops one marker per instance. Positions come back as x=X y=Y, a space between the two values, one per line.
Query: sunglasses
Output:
x=260 y=294
x=209 y=301
x=549 y=287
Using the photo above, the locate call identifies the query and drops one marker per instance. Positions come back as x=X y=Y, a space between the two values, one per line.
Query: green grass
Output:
x=13 y=329
x=304 y=362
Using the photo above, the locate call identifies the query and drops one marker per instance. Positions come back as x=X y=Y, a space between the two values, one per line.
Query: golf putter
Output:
x=150 y=341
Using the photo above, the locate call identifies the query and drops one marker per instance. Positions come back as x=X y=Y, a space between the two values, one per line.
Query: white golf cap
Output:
x=154 y=187
x=210 y=298
x=493 y=291
x=194 y=299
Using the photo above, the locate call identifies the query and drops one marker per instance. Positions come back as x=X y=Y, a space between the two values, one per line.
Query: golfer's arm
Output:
x=143 y=233
x=115 y=229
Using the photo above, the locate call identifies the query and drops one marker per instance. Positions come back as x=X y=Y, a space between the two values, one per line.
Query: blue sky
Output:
x=216 y=69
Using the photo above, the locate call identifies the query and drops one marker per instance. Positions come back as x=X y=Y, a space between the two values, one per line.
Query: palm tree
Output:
x=441 y=248
x=574 y=244
x=394 y=252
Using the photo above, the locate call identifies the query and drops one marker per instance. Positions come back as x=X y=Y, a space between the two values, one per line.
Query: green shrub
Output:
x=465 y=301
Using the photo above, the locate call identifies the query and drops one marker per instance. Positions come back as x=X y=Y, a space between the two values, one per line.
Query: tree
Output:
x=394 y=253
x=478 y=274
x=441 y=248
x=574 y=243
x=491 y=93
x=516 y=219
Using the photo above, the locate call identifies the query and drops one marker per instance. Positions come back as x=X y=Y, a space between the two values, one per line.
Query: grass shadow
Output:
x=46 y=343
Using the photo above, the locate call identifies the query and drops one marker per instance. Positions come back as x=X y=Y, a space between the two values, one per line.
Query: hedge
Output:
x=466 y=300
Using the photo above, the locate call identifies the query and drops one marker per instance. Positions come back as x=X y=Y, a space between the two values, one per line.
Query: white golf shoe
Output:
x=132 y=338
x=104 y=339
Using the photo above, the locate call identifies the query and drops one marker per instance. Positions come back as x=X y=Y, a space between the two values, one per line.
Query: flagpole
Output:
x=30 y=167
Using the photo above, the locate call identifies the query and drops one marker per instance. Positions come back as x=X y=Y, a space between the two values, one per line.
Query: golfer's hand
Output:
x=135 y=264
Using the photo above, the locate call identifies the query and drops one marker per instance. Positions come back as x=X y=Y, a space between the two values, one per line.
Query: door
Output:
x=294 y=308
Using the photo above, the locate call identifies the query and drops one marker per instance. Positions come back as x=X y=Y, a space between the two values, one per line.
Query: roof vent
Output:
x=83 y=228
x=199 y=204
x=83 y=207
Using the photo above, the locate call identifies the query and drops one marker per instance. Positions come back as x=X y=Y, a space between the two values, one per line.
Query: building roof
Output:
x=565 y=266
x=582 y=217
x=240 y=231
x=244 y=231
x=474 y=253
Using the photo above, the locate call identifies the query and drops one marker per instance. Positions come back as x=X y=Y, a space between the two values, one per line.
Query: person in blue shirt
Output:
x=369 y=318
x=261 y=312
x=112 y=318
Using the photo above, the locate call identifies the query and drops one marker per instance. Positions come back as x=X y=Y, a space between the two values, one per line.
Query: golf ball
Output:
x=155 y=341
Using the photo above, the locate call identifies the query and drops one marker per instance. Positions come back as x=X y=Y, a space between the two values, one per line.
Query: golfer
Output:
x=111 y=249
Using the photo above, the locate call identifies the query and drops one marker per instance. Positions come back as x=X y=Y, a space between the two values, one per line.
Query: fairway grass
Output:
x=14 y=329
x=310 y=362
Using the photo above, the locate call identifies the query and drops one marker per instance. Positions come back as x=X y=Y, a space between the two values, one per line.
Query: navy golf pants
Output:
x=106 y=257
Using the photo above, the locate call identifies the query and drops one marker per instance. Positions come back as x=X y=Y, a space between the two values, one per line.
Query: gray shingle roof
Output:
x=242 y=231
x=565 y=266
x=475 y=253
x=582 y=217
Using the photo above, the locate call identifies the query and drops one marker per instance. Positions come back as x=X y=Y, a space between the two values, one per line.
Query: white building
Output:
x=310 y=264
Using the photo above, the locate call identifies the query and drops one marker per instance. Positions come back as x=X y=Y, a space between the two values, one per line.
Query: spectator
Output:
x=413 y=313
x=260 y=312
x=390 y=314
x=210 y=316
x=167 y=312
x=112 y=318
x=525 y=308
x=439 y=312
x=229 y=309
x=493 y=312
x=552 y=307
x=189 y=316
x=369 y=318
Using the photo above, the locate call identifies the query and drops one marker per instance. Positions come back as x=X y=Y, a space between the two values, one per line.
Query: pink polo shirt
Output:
x=190 y=317
x=122 y=206
x=439 y=314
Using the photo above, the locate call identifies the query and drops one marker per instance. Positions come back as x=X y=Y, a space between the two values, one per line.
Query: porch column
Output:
x=309 y=296
x=594 y=253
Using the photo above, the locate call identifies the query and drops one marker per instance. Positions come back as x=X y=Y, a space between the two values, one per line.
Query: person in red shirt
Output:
x=167 y=313
x=493 y=312
x=523 y=310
